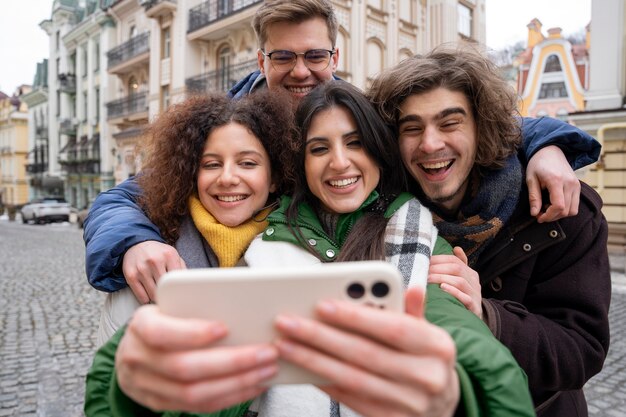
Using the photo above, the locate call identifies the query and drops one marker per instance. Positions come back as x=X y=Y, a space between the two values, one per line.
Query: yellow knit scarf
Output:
x=228 y=243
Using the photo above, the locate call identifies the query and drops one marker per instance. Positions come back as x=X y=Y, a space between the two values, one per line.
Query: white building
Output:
x=115 y=64
x=604 y=116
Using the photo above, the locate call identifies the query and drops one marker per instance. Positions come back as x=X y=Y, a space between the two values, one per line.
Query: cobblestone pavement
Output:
x=49 y=315
x=48 y=318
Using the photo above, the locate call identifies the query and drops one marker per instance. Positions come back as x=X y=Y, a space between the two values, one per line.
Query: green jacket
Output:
x=491 y=382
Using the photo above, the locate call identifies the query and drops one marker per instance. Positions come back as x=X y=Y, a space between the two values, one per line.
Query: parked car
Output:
x=46 y=210
x=82 y=215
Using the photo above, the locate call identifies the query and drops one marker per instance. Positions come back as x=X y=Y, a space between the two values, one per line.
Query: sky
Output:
x=23 y=43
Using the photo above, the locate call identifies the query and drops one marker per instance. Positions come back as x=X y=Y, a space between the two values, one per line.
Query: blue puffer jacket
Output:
x=116 y=222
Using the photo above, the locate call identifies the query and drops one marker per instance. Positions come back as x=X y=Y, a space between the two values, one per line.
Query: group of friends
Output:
x=502 y=250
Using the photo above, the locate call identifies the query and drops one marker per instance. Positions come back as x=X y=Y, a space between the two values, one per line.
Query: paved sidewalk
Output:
x=49 y=315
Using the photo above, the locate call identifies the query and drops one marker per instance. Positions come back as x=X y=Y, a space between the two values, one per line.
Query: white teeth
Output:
x=436 y=165
x=343 y=183
x=230 y=198
x=300 y=90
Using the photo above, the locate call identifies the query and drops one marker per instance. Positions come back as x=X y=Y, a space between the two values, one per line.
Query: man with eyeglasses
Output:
x=296 y=47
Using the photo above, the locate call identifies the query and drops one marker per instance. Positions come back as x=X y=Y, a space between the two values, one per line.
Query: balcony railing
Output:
x=68 y=127
x=136 y=46
x=214 y=10
x=127 y=106
x=222 y=79
x=67 y=83
x=151 y=4
x=36 y=168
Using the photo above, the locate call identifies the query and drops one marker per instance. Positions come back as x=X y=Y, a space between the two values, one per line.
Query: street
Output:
x=49 y=316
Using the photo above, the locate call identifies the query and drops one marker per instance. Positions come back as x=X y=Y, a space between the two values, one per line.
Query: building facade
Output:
x=116 y=64
x=604 y=114
x=552 y=74
x=41 y=184
x=13 y=148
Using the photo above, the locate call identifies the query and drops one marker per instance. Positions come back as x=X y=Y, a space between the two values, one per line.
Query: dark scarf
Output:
x=486 y=207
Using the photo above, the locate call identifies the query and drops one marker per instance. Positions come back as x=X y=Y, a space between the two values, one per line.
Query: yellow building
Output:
x=552 y=74
x=13 y=148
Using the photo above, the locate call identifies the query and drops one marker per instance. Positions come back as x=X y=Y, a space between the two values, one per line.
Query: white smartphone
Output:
x=247 y=300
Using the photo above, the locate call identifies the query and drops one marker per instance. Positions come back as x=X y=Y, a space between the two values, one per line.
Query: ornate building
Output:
x=115 y=64
x=13 y=148
x=552 y=74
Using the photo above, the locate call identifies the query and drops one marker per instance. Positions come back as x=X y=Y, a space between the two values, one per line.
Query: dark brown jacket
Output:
x=546 y=292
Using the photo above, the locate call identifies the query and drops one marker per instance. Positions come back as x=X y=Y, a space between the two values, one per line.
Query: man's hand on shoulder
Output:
x=145 y=263
x=548 y=169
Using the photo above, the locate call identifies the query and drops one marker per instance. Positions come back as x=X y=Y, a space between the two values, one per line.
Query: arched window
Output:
x=133 y=86
x=223 y=73
x=375 y=58
x=553 y=64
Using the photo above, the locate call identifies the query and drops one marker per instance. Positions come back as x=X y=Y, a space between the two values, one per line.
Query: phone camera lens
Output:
x=380 y=289
x=356 y=290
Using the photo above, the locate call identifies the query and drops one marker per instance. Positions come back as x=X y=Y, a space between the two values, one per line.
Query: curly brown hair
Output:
x=466 y=70
x=174 y=142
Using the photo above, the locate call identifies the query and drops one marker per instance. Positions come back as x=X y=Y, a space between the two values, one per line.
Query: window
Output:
x=553 y=90
x=57 y=40
x=133 y=86
x=132 y=32
x=464 y=20
x=84 y=60
x=165 y=43
x=165 y=97
x=96 y=56
x=58 y=100
x=85 y=106
x=223 y=69
x=58 y=66
x=553 y=64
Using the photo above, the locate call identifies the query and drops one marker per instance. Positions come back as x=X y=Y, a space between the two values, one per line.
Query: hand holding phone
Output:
x=247 y=300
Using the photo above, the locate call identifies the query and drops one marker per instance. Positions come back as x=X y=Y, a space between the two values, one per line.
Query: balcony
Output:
x=67 y=83
x=222 y=79
x=156 y=9
x=36 y=168
x=132 y=53
x=128 y=106
x=68 y=127
x=212 y=11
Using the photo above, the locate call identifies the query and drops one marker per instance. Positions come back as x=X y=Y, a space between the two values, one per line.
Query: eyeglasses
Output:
x=314 y=59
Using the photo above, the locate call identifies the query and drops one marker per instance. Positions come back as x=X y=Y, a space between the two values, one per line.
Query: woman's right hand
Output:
x=168 y=363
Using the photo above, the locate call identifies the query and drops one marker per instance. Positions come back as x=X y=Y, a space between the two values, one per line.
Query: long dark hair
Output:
x=366 y=239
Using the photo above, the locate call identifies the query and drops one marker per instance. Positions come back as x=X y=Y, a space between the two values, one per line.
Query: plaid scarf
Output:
x=484 y=211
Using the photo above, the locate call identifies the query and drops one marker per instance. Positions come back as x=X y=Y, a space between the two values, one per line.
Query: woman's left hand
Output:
x=378 y=362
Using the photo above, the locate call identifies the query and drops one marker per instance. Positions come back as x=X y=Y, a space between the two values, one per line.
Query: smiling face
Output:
x=234 y=178
x=297 y=37
x=338 y=170
x=437 y=137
